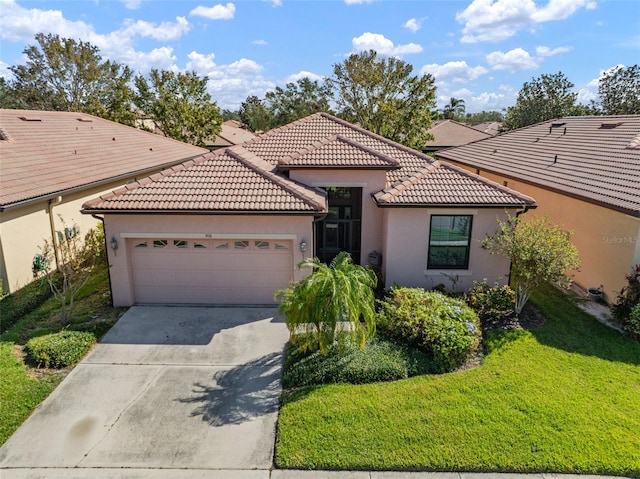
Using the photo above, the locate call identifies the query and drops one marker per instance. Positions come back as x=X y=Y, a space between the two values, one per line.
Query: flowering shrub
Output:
x=492 y=303
x=445 y=328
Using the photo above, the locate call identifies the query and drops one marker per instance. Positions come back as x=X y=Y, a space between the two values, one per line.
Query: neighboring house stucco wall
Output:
x=371 y=181
x=608 y=240
x=295 y=227
x=23 y=231
x=407 y=244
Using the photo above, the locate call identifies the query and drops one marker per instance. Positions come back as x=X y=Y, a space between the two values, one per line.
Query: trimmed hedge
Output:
x=380 y=360
x=445 y=328
x=20 y=303
x=59 y=350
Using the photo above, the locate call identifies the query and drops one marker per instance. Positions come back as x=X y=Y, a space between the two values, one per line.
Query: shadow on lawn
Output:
x=572 y=330
x=240 y=394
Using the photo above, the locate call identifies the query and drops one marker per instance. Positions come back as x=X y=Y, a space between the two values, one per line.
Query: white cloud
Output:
x=355 y=2
x=513 y=60
x=274 y=3
x=590 y=90
x=456 y=71
x=132 y=4
x=302 y=74
x=4 y=70
x=381 y=44
x=495 y=20
x=162 y=32
x=548 y=52
x=259 y=42
x=217 y=12
x=412 y=24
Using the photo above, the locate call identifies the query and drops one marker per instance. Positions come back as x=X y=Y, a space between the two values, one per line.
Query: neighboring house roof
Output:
x=231 y=133
x=47 y=153
x=490 y=127
x=447 y=133
x=596 y=159
x=248 y=177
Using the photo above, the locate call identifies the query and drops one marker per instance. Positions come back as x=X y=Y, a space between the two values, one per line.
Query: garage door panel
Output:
x=240 y=272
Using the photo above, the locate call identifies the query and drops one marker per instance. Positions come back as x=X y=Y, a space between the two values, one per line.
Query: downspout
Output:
x=54 y=202
x=106 y=254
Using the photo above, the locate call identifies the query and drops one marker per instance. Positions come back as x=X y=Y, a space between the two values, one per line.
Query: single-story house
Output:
x=53 y=162
x=584 y=173
x=448 y=133
x=490 y=127
x=230 y=226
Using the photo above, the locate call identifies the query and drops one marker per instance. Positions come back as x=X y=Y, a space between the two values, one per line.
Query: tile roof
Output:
x=448 y=133
x=491 y=127
x=231 y=133
x=46 y=153
x=596 y=159
x=248 y=177
x=445 y=184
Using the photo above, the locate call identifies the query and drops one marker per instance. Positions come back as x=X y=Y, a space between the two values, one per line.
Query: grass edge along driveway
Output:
x=564 y=398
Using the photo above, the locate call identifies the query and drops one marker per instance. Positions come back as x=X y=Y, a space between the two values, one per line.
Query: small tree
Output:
x=75 y=258
x=539 y=251
x=337 y=297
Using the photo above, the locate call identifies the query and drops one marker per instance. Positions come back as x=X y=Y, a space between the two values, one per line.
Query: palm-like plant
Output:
x=335 y=297
x=454 y=109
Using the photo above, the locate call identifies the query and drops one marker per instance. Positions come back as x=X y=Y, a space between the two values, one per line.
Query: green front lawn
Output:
x=563 y=398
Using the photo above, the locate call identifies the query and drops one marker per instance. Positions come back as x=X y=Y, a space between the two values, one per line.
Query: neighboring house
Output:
x=51 y=163
x=490 y=127
x=448 y=133
x=585 y=175
x=231 y=133
x=230 y=226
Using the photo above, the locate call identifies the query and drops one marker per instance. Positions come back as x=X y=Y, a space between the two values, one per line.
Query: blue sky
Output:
x=478 y=50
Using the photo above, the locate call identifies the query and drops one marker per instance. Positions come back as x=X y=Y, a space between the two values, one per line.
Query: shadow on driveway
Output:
x=240 y=394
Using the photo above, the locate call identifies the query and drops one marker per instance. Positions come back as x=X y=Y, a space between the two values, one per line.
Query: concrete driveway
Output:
x=169 y=392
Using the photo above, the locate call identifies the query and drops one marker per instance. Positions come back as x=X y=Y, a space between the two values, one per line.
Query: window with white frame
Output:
x=449 y=241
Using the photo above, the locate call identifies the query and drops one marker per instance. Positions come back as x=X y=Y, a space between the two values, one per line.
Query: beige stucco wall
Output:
x=297 y=228
x=608 y=241
x=407 y=243
x=371 y=181
x=23 y=230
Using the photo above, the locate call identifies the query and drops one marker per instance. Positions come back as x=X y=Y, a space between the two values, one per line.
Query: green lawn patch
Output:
x=562 y=398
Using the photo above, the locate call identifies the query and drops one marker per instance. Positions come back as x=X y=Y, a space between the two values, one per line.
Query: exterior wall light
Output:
x=114 y=244
x=303 y=246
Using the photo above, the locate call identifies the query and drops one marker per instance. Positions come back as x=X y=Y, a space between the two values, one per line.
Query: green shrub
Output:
x=492 y=303
x=59 y=350
x=380 y=360
x=633 y=324
x=628 y=297
x=20 y=303
x=445 y=328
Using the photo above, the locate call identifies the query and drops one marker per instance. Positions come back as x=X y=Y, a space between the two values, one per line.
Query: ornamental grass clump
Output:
x=443 y=327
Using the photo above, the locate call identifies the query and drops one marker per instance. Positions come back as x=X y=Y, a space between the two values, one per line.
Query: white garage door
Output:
x=227 y=271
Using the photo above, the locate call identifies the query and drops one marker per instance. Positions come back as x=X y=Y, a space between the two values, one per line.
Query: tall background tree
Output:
x=297 y=100
x=255 y=115
x=68 y=75
x=619 y=91
x=544 y=98
x=454 y=110
x=383 y=96
x=483 y=116
x=179 y=105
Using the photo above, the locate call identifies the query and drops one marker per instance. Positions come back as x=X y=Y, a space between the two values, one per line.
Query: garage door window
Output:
x=160 y=243
x=281 y=246
x=198 y=245
x=181 y=243
x=241 y=244
x=262 y=244
x=141 y=245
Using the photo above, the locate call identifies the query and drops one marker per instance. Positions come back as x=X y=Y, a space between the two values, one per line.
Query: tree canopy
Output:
x=179 y=105
x=454 y=109
x=69 y=75
x=297 y=100
x=255 y=115
x=619 y=91
x=383 y=96
x=544 y=98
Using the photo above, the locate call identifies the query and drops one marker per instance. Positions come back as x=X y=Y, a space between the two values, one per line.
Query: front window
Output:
x=449 y=239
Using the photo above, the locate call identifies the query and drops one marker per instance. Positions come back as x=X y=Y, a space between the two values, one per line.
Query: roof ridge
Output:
x=282 y=128
x=306 y=149
x=254 y=162
x=469 y=127
x=150 y=179
x=371 y=151
x=385 y=195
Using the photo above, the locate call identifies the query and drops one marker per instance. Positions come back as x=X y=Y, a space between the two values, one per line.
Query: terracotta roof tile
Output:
x=593 y=158
x=447 y=133
x=65 y=150
x=247 y=177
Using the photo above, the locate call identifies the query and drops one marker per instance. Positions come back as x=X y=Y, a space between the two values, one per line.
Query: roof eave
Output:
x=457 y=205
x=91 y=211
